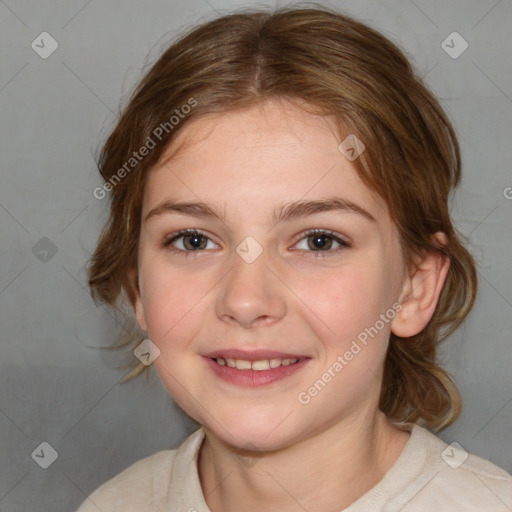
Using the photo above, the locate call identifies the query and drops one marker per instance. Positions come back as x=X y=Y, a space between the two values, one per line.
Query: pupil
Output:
x=320 y=241
x=195 y=240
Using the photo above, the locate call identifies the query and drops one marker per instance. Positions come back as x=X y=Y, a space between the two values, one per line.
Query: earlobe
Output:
x=421 y=291
x=136 y=299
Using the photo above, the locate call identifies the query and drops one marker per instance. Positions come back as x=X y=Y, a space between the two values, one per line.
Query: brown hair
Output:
x=332 y=65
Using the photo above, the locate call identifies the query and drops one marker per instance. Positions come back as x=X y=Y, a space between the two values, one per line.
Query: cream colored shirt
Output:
x=428 y=476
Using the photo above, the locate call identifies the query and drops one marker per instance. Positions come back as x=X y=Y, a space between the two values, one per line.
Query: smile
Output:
x=256 y=373
x=261 y=365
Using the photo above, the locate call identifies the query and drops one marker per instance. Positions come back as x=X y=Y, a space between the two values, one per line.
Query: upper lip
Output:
x=252 y=355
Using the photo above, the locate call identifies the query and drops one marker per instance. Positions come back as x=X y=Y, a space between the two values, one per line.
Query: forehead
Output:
x=273 y=148
x=274 y=121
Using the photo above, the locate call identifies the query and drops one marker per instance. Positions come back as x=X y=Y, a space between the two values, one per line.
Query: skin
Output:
x=326 y=454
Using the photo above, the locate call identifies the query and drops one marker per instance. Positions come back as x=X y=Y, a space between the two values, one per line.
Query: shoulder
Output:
x=453 y=479
x=132 y=486
x=145 y=485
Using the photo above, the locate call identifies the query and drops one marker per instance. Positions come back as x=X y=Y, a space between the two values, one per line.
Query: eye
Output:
x=187 y=241
x=318 y=242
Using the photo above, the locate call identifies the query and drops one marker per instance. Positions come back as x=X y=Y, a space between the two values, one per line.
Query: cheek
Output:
x=175 y=305
x=172 y=300
x=354 y=337
x=346 y=301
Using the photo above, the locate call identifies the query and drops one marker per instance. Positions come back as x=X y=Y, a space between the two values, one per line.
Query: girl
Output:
x=279 y=226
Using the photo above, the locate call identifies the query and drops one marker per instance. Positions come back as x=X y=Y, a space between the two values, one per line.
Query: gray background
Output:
x=56 y=387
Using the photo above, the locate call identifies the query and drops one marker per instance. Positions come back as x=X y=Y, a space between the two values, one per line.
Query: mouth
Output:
x=258 y=365
x=255 y=368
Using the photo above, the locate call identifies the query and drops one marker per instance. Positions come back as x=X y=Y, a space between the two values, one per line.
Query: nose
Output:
x=251 y=295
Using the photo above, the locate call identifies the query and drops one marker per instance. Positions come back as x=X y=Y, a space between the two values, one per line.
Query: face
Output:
x=261 y=277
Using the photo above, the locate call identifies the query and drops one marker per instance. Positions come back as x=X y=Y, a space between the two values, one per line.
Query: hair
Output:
x=329 y=64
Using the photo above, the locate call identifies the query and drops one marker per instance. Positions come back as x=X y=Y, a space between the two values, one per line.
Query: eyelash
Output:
x=167 y=243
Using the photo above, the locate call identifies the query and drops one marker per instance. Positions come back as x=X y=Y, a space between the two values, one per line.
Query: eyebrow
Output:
x=287 y=212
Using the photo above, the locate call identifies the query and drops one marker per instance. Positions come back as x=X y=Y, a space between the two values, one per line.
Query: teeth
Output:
x=262 y=364
x=242 y=365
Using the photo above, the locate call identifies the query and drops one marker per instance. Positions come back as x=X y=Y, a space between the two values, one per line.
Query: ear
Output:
x=135 y=298
x=421 y=290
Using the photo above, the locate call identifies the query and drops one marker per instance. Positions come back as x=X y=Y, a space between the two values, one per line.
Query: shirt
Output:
x=429 y=475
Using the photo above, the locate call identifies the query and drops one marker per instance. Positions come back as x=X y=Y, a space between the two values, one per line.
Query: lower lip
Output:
x=254 y=378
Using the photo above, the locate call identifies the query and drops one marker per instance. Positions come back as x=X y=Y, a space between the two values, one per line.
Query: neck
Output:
x=325 y=471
